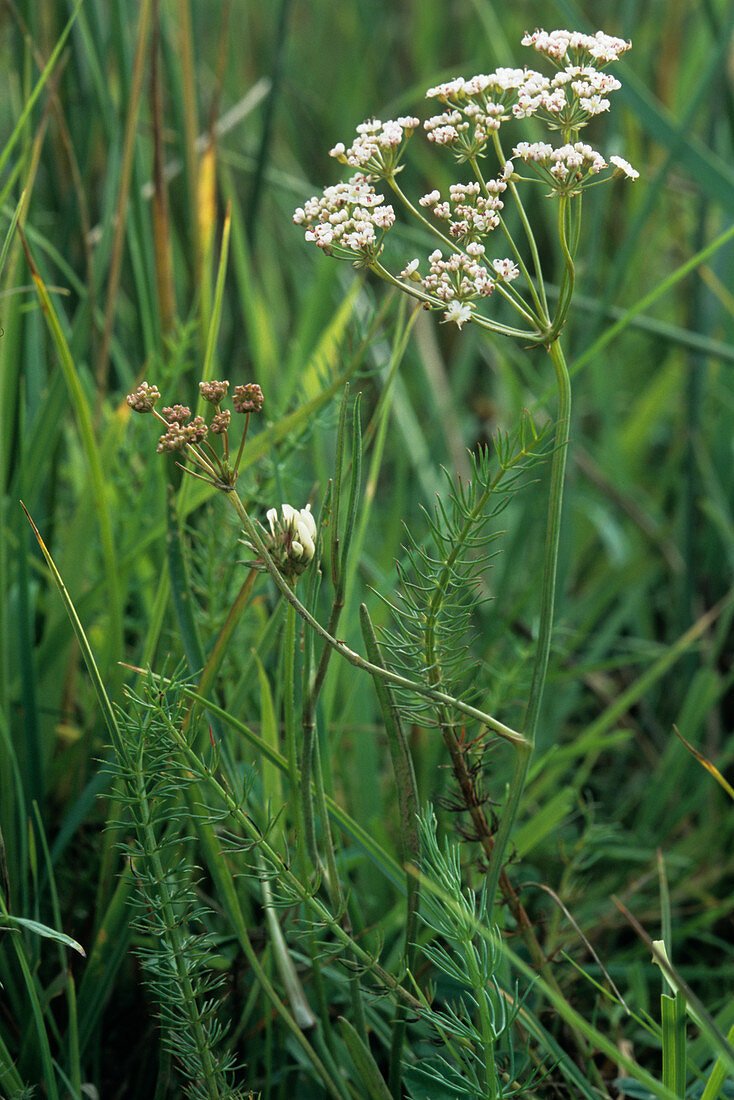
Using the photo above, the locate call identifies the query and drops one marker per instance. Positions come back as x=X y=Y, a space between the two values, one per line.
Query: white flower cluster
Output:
x=348 y=219
x=378 y=146
x=569 y=168
x=291 y=540
x=560 y=46
x=456 y=281
x=478 y=106
x=297 y=528
x=469 y=213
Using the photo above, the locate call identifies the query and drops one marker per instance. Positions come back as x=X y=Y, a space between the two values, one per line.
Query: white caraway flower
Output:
x=624 y=168
x=378 y=146
x=563 y=46
x=458 y=312
x=348 y=220
x=507 y=270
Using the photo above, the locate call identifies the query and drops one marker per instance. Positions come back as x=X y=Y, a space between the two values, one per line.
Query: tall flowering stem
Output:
x=524 y=751
x=351 y=220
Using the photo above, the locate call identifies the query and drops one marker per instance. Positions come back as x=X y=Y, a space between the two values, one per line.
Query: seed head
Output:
x=213 y=392
x=220 y=421
x=143 y=399
x=176 y=414
x=247 y=398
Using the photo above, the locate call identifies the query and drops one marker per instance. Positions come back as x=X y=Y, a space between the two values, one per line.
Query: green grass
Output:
x=107 y=280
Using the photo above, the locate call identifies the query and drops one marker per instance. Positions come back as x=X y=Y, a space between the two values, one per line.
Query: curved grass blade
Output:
x=99 y=688
x=706 y=764
x=366 y=1065
x=43 y=930
x=99 y=487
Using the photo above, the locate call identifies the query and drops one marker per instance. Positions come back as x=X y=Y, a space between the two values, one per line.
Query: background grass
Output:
x=241 y=106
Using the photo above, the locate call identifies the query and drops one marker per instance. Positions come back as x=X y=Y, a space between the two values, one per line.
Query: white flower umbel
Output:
x=350 y=220
x=290 y=539
x=569 y=168
x=378 y=146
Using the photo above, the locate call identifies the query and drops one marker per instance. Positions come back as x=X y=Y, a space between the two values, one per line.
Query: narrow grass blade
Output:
x=706 y=764
x=131 y=124
x=673 y=1016
x=367 y=1067
x=41 y=1034
x=211 y=336
x=43 y=930
x=11 y=231
x=99 y=688
x=38 y=88
x=718 y=1075
x=99 y=486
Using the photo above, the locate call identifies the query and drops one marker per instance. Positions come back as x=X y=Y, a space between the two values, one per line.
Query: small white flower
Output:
x=458 y=312
x=624 y=168
x=306 y=518
x=409 y=269
x=291 y=541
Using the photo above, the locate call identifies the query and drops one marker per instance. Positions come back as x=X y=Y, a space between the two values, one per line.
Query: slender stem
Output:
x=475 y=978
x=289 y=719
x=541 y=308
x=525 y=224
x=553 y=531
x=434 y=303
x=242 y=442
x=545 y=630
x=349 y=654
x=515 y=299
x=569 y=271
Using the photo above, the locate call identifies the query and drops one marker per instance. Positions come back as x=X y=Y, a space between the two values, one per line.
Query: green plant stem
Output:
x=485 y=1023
x=289 y=719
x=300 y=890
x=525 y=223
x=349 y=655
x=212 y=1076
x=524 y=750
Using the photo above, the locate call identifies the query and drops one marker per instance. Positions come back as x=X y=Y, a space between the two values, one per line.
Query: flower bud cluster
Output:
x=144 y=398
x=185 y=434
x=569 y=168
x=247 y=399
x=378 y=146
x=290 y=539
x=179 y=435
x=176 y=414
x=213 y=391
x=220 y=421
x=348 y=220
x=470 y=213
